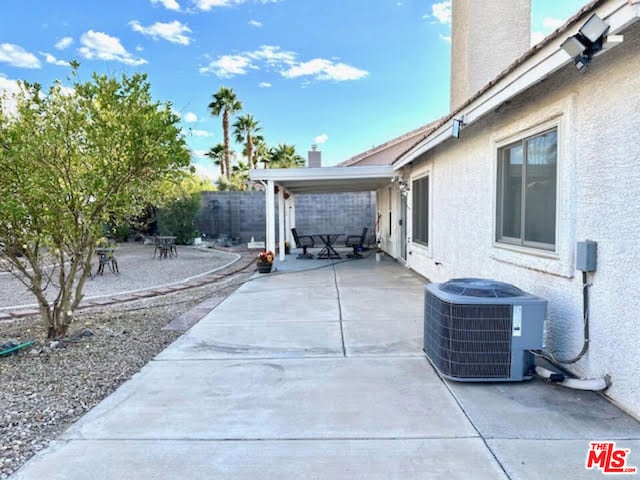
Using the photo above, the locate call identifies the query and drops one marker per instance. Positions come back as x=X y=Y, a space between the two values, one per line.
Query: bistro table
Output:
x=166 y=246
x=328 y=239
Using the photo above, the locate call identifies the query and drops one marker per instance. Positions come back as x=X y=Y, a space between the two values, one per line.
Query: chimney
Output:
x=486 y=37
x=314 y=157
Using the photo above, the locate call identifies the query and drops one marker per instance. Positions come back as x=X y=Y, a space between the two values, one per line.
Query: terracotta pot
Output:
x=264 y=267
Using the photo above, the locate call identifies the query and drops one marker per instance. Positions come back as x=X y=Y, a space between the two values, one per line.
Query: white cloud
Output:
x=228 y=66
x=206 y=5
x=552 y=23
x=63 y=43
x=264 y=85
x=284 y=62
x=204 y=168
x=255 y=23
x=53 y=60
x=272 y=55
x=99 y=45
x=174 y=32
x=323 y=69
x=8 y=89
x=320 y=139
x=17 y=56
x=190 y=117
x=199 y=133
x=445 y=38
x=442 y=11
x=168 y=4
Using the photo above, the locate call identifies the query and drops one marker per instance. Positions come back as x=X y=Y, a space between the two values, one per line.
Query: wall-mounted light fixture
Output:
x=403 y=186
x=458 y=123
x=583 y=45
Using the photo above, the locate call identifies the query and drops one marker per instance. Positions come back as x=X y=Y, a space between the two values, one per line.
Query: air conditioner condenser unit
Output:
x=480 y=330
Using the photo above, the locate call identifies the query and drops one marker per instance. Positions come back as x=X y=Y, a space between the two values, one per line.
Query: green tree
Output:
x=244 y=129
x=238 y=179
x=225 y=103
x=216 y=154
x=285 y=156
x=260 y=151
x=178 y=218
x=70 y=162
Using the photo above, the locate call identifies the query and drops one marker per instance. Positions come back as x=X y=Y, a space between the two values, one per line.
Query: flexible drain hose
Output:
x=593 y=384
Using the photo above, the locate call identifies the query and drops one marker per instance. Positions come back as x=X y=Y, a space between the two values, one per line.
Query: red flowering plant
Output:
x=266 y=256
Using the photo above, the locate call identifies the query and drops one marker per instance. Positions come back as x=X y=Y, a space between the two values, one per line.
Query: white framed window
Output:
x=420 y=210
x=526 y=191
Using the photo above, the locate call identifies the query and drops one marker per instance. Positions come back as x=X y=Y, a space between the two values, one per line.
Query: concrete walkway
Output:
x=320 y=374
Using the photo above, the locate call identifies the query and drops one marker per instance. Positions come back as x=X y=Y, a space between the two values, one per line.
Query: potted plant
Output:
x=265 y=261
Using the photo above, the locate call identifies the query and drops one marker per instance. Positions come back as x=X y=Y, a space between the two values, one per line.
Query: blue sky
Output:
x=345 y=74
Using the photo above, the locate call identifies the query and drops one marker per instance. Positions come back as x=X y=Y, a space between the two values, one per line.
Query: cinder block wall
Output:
x=242 y=214
x=344 y=213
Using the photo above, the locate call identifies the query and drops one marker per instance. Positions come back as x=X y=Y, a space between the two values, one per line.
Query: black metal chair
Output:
x=356 y=242
x=303 y=242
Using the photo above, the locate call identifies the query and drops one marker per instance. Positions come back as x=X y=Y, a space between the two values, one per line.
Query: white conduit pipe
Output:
x=593 y=384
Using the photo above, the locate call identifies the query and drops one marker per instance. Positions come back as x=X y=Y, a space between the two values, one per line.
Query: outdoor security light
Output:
x=583 y=45
x=573 y=46
x=594 y=29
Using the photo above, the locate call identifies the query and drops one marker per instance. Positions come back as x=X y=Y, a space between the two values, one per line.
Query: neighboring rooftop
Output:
x=387 y=152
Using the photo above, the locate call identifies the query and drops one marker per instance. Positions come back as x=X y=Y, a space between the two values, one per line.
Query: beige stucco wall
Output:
x=597 y=113
x=487 y=36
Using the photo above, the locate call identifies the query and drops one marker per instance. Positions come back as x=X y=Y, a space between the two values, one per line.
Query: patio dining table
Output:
x=328 y=240
x=166 y=245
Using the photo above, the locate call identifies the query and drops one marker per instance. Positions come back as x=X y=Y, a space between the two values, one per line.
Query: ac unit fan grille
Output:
x=471 y=341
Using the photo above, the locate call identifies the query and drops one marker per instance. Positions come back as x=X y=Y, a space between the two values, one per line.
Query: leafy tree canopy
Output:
x=70 y=161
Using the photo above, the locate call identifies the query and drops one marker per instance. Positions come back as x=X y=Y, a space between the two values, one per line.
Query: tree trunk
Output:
x=250 y=151
x=227 y=153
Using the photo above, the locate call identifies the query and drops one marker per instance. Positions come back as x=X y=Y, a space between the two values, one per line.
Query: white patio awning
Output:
x=327 y=179
x=311 y=180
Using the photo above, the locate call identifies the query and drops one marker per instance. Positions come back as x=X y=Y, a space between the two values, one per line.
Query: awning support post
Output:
x=270 y=241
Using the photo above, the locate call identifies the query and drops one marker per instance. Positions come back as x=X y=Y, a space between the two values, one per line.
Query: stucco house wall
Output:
x=597 y=114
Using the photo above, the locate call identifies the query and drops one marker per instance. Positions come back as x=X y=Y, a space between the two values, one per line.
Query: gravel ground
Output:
x=43 y=389
x=138 y=270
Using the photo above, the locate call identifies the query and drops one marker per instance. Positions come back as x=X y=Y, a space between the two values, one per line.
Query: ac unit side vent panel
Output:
x=469 y=340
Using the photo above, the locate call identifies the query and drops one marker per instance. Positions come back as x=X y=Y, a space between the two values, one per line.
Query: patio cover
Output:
x=311 y=180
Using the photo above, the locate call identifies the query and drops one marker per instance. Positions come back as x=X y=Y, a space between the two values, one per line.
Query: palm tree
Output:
x=245 y=129
x=285 y=156
x=240 y=175
x=260 y=151
x=216 y=153
x=225 y=102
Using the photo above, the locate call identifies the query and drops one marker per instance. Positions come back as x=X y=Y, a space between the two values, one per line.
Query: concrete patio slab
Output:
x=279 y=340
x=327 y=398
x=537 y=410
x=323 y=277
x=378 y=338
x=308 y=305
x=564 y=459
x=259 y=389
x=376 y=274
x=457 y=459
x=376 y=304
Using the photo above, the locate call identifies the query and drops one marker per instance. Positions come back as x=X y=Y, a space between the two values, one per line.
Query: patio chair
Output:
x=303 y=242
x=356 y=242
